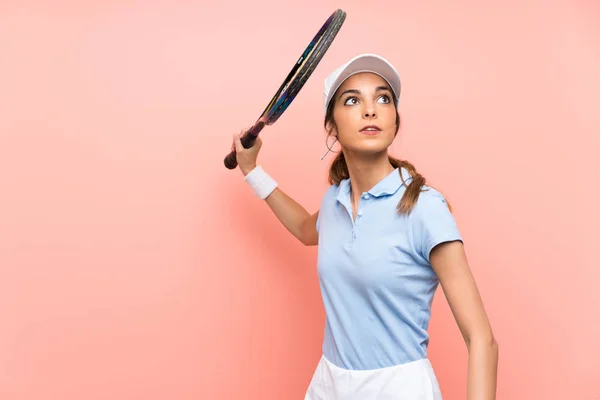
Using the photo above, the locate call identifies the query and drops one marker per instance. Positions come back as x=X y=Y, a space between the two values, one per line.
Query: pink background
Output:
x=133 y=265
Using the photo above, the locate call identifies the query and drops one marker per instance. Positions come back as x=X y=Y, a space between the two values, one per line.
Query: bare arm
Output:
x=292 y=215
x=450 y=264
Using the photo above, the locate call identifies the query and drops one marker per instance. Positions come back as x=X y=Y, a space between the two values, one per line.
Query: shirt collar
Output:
x=387 y=186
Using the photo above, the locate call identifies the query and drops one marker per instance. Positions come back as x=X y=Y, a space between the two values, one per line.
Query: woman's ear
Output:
x=331 y=131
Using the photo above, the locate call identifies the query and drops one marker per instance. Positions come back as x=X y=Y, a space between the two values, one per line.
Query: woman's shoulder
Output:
x=430 y=202
x=429 y=193
x=330 y=192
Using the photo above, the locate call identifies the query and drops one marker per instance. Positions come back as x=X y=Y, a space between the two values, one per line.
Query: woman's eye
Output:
x=354 y=100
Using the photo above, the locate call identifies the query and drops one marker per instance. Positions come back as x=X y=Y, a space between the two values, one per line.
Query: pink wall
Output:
x=131 y=263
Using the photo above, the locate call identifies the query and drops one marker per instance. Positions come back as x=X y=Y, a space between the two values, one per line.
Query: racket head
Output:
x=295 y=80
x=304 y=67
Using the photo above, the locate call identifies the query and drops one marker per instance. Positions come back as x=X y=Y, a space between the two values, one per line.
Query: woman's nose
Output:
x=369 y=110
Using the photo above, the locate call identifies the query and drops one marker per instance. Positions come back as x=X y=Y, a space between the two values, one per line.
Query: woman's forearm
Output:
x=482 y=369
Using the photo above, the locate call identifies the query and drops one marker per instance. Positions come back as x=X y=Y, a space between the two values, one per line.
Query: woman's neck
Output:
x=366 y=172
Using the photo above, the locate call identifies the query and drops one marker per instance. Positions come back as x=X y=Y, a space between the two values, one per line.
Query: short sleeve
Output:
x=326 y=201
x=318 y=217
x=434 y=223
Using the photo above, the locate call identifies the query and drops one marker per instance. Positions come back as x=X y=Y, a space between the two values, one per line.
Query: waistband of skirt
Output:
x=423 y=362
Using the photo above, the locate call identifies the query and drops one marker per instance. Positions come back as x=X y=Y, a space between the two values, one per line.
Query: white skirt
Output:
x=415 y=380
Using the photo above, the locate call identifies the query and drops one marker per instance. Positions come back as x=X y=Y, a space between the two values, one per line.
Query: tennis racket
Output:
x=292 y=84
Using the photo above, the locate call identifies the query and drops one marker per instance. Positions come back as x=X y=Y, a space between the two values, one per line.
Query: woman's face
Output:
x=365 y=114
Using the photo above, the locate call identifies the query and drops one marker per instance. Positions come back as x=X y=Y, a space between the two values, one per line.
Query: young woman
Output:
x=385 y=241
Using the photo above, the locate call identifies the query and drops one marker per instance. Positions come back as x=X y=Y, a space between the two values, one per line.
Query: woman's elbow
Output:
x=484 y=340
x=309 y=241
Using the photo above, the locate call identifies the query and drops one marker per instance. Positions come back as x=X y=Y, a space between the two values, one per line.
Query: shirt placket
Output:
x=356 y=224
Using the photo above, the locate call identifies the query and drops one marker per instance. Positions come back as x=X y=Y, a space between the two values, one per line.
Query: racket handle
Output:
x=247 y=140
x=231 y=159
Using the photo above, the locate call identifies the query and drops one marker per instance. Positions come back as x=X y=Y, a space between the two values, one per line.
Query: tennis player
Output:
x=386 y=240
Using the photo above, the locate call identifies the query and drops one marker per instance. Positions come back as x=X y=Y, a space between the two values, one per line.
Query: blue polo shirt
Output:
x=376 y=280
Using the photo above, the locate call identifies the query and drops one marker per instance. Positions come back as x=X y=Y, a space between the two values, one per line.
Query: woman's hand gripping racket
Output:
x=292 y=84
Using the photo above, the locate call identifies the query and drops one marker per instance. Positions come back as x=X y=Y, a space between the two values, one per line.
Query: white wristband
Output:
x=261 y=183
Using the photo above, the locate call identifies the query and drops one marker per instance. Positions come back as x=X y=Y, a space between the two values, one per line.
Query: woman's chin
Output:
x=370 y=150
